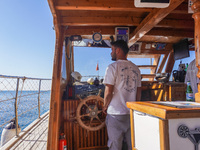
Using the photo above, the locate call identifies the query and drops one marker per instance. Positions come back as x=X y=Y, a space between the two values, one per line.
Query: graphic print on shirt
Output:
x=129 y=78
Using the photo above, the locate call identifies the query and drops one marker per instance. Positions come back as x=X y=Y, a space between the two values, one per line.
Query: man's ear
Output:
x=117 y=50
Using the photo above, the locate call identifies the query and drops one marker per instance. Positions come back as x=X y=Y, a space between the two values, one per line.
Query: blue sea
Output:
x=27 y=106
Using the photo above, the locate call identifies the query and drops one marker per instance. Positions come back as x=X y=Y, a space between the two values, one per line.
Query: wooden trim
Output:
x=166 y=92
x=68 y=61
x=55 y=103
x=172 y=32
x=132 y=55
x=162 y=63
x=123 y=21
x=104 y=5
x=164 y=112
x=148 y=75
x=154 y=17
x=181 y=9
x=196 y=16
x=170 y=63
x=155 y=53
x=147 y=66
x=132 y=129
x=52 y=6
x=72 y=61
x=170 y=93
x=100 y=21
x=164 y=134
x=110 y=30
x=109 y=6
x=156 y=62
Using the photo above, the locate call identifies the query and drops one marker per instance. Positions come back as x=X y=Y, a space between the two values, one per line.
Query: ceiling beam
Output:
x=160 y=39
x=147 y=66
x=148 y=75
x=110 y=30
x=100 y=21
x=103 y=5
x=162 y=63
x=154 y=17
x=172 y=32
x=52 y=6
x=142 y=55
x=181 y=9
x=128 y=21
x=155 y=53
x=175 y=23
x=111 y=5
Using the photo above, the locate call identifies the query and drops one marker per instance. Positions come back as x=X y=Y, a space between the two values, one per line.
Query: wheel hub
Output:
x=93 y=112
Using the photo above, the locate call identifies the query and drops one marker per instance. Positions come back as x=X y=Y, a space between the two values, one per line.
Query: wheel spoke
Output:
x=91 y=121
x=87 y=106
x=100 y=111
x=85 y=115
x=96 y=102
x=98 y=119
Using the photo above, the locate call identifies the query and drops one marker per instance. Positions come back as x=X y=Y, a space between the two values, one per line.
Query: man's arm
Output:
x=138 y=95
x=108 y=94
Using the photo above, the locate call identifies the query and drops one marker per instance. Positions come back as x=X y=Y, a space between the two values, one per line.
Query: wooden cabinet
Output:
x=159 y=127
x=171 y=91
x=175 y=91
x=152 y=91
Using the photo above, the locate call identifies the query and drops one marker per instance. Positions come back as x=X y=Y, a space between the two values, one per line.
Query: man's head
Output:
x=119 y=49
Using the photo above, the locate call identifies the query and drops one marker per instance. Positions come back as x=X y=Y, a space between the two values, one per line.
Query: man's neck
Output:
x=122 y=58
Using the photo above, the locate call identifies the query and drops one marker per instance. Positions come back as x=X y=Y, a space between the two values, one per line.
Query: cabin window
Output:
x=150 y=64
x=142 y=62
x=87 y=58
x=184 y=61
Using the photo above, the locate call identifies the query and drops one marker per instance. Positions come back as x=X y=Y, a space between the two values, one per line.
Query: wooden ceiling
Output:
x=84 y=17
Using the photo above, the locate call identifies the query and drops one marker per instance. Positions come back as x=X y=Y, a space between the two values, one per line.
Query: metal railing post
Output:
x=39 y=99
x=16 y=107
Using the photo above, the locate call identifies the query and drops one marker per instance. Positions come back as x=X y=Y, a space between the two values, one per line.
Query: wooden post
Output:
x=55 y=103
x=132 y=129
x=196 y=16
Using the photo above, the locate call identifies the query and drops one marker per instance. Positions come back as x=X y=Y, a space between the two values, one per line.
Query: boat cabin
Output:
x=154 y=34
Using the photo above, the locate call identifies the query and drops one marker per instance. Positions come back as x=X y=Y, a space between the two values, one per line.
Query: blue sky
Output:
x=86 y=62
x=26 y=38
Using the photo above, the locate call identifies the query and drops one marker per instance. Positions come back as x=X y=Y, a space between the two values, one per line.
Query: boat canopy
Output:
x=161 y=25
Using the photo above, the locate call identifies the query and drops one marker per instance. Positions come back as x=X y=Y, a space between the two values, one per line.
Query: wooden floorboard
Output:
x=35 y=139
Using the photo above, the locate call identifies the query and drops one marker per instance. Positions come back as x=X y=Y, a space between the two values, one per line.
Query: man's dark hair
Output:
x=121 y=44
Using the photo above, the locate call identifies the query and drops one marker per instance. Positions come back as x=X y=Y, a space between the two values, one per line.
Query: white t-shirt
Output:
x=191 y=76
x=126 y=77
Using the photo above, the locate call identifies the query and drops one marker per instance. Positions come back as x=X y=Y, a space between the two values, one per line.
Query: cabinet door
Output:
x=146 y=130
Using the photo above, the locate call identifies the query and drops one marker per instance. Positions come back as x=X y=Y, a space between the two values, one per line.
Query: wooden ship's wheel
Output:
x=89 y=113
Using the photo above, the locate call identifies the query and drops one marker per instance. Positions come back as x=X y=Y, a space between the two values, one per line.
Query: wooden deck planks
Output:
x=35 y=139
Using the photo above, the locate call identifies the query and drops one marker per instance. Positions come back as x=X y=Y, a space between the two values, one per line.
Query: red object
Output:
x=97 y=68
x=62 y=142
